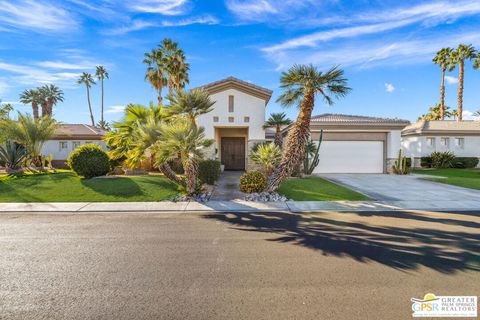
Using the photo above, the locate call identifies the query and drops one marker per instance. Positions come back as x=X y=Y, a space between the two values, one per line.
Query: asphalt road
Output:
x=233 y=266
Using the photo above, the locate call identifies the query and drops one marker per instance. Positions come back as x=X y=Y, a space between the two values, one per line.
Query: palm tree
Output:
x=31 y=133
x=176 y=66
x=191 y=104
x=181 y=138
x=52 y=94
x=155 y=71
x=462 y=53
x=267 y=155
x=31 y=96
x=42 y=96
x=302 y=83
x=443 y=60
x=437 y=113
x=104 y=125
x=5 y=109
x=101 y=74
x=87 y=79
x=277 y=121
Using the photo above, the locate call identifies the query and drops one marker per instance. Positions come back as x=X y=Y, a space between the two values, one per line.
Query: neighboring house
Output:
x=356 y=144
x=68 y=137
x=236 y=121
x=424 y=137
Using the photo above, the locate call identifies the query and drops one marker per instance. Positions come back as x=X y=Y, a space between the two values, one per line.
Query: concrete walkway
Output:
x=228 y=187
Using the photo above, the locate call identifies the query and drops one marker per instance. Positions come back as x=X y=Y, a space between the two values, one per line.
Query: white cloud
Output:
x=135 y=25
x=389 y=87
x=451 y=80
x=115 y=109
x=189 y=21
x=164 y=7
x=65 y=65
x=36 y=16
x=469 y=115
x=250 y=10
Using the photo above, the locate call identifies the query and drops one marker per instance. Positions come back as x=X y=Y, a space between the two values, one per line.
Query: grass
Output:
x=317 y=189
x=65 y=186
x=467 y=178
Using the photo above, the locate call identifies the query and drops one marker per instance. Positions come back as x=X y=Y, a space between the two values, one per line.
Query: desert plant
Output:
x=87 y=79
x=89 y=160
x=13 y=155
x=400 y=166
x=252 y=181
x=313 y=150
x=442 y=159
x=209 y=171
x=443 y=59
x=268 y=156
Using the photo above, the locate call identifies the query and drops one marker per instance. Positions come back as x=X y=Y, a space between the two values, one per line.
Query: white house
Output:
x=424 y=137
x=68 y=137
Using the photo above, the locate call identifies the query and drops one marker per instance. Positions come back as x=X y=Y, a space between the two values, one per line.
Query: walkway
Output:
x=228 y=187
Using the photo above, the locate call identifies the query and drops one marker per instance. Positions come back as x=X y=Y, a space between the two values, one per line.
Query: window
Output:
x=75 y=145
x=230 y=103
x=88 y=142
x=63 y=145
x=215 y=119
x=246 y=119
x=444 y=142
x=231 y=119
x=459 y=142
x=431 y=142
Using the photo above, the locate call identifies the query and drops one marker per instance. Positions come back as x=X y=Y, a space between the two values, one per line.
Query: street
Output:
x=233 y=266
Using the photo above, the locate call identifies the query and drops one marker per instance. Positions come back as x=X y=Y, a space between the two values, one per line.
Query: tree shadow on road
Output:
x=397 y=247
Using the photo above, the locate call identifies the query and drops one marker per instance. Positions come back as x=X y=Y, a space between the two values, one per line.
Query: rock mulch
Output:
x=265 y=197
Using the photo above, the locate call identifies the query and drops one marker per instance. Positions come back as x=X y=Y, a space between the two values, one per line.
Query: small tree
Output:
x=277 y=120
x=267 y=155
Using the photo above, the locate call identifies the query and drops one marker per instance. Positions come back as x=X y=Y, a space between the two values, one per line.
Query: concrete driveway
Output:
x=386 y=187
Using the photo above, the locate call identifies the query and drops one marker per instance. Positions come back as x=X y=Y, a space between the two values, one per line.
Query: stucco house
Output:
x=424 y=137
x=68 y=137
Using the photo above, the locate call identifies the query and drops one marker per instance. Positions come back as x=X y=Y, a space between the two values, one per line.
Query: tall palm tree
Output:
x=31 y=133
x=302 y=83
x=181 y=138
x=191 y=104
x=31 y=96
x=155 y=73
x=277 y=121
x=42 y=96
x=87 y=79
x=52 y=94
x=176 y=66
x=101 y=74
x=443 y=60
x=462 y=53
x=437 y=113
x=5 y=109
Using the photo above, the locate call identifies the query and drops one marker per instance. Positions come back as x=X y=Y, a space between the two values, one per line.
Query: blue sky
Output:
x=385 y=47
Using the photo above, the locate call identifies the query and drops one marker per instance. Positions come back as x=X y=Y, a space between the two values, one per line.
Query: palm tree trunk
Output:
x=44 y=108
x=296 y=140
x=278 y=137
x=460 y=89
x=90 y=107
x=442 y=95
x=171 y=175
x=190 y=176
x=35 y=110
x=49 y=107
x=102 y=102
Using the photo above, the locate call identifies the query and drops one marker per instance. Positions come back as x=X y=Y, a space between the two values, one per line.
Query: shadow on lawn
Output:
x=118 y=187
x=396 y=247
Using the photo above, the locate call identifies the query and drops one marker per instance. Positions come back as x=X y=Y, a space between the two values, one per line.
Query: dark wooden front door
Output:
x=233 y=153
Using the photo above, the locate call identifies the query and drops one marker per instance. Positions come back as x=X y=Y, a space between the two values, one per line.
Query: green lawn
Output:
x=317 y=189
x=467 y=178
x=67 y=187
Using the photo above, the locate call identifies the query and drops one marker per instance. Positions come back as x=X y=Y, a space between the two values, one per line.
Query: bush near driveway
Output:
x=252 y=181
x=209 y=171
x=448 y=160
x=89 y=160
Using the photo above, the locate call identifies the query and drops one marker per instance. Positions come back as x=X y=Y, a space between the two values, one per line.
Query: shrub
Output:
x=13 y=155
x=409 y=162
x=268 y=156
x=426 y=162
x=442 y=159
x=465 y=162
x=89 y=160
x=209 y=171
x=252 y=181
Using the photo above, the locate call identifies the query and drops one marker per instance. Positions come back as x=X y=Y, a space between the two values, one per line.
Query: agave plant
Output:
x=13 y=155
x=267 y=155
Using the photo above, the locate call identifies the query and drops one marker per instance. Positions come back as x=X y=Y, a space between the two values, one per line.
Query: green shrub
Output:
x=209 y=171
x=13 y=155
x=252 y=181
x=89 y=160
x=465 y=162
x=442 y=159
x=409 y=162
x=426 y=162
x=268 y=156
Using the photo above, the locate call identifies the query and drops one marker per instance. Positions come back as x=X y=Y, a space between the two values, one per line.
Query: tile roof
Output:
x=442 y=126
x=347 y=119
x=79 y=130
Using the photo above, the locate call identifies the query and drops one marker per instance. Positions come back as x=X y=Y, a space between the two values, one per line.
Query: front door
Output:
x=233 y=153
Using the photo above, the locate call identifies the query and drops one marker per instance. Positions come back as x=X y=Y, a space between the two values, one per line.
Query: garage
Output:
x=351 y=157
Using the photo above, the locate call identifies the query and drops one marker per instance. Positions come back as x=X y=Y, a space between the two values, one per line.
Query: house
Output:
x=424 y=137
x=356 y=144
x=68 y=137
x=236 y=121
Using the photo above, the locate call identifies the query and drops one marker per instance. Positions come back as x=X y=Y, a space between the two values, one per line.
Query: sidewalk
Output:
x=240 y=206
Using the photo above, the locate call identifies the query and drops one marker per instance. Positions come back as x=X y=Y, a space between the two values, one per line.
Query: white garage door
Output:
x=350 y=157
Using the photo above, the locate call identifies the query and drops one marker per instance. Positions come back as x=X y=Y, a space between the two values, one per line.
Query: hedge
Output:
x=209 y=171
x=89 y=160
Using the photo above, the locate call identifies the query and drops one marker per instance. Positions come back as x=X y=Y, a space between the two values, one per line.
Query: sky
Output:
x=385 y=47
